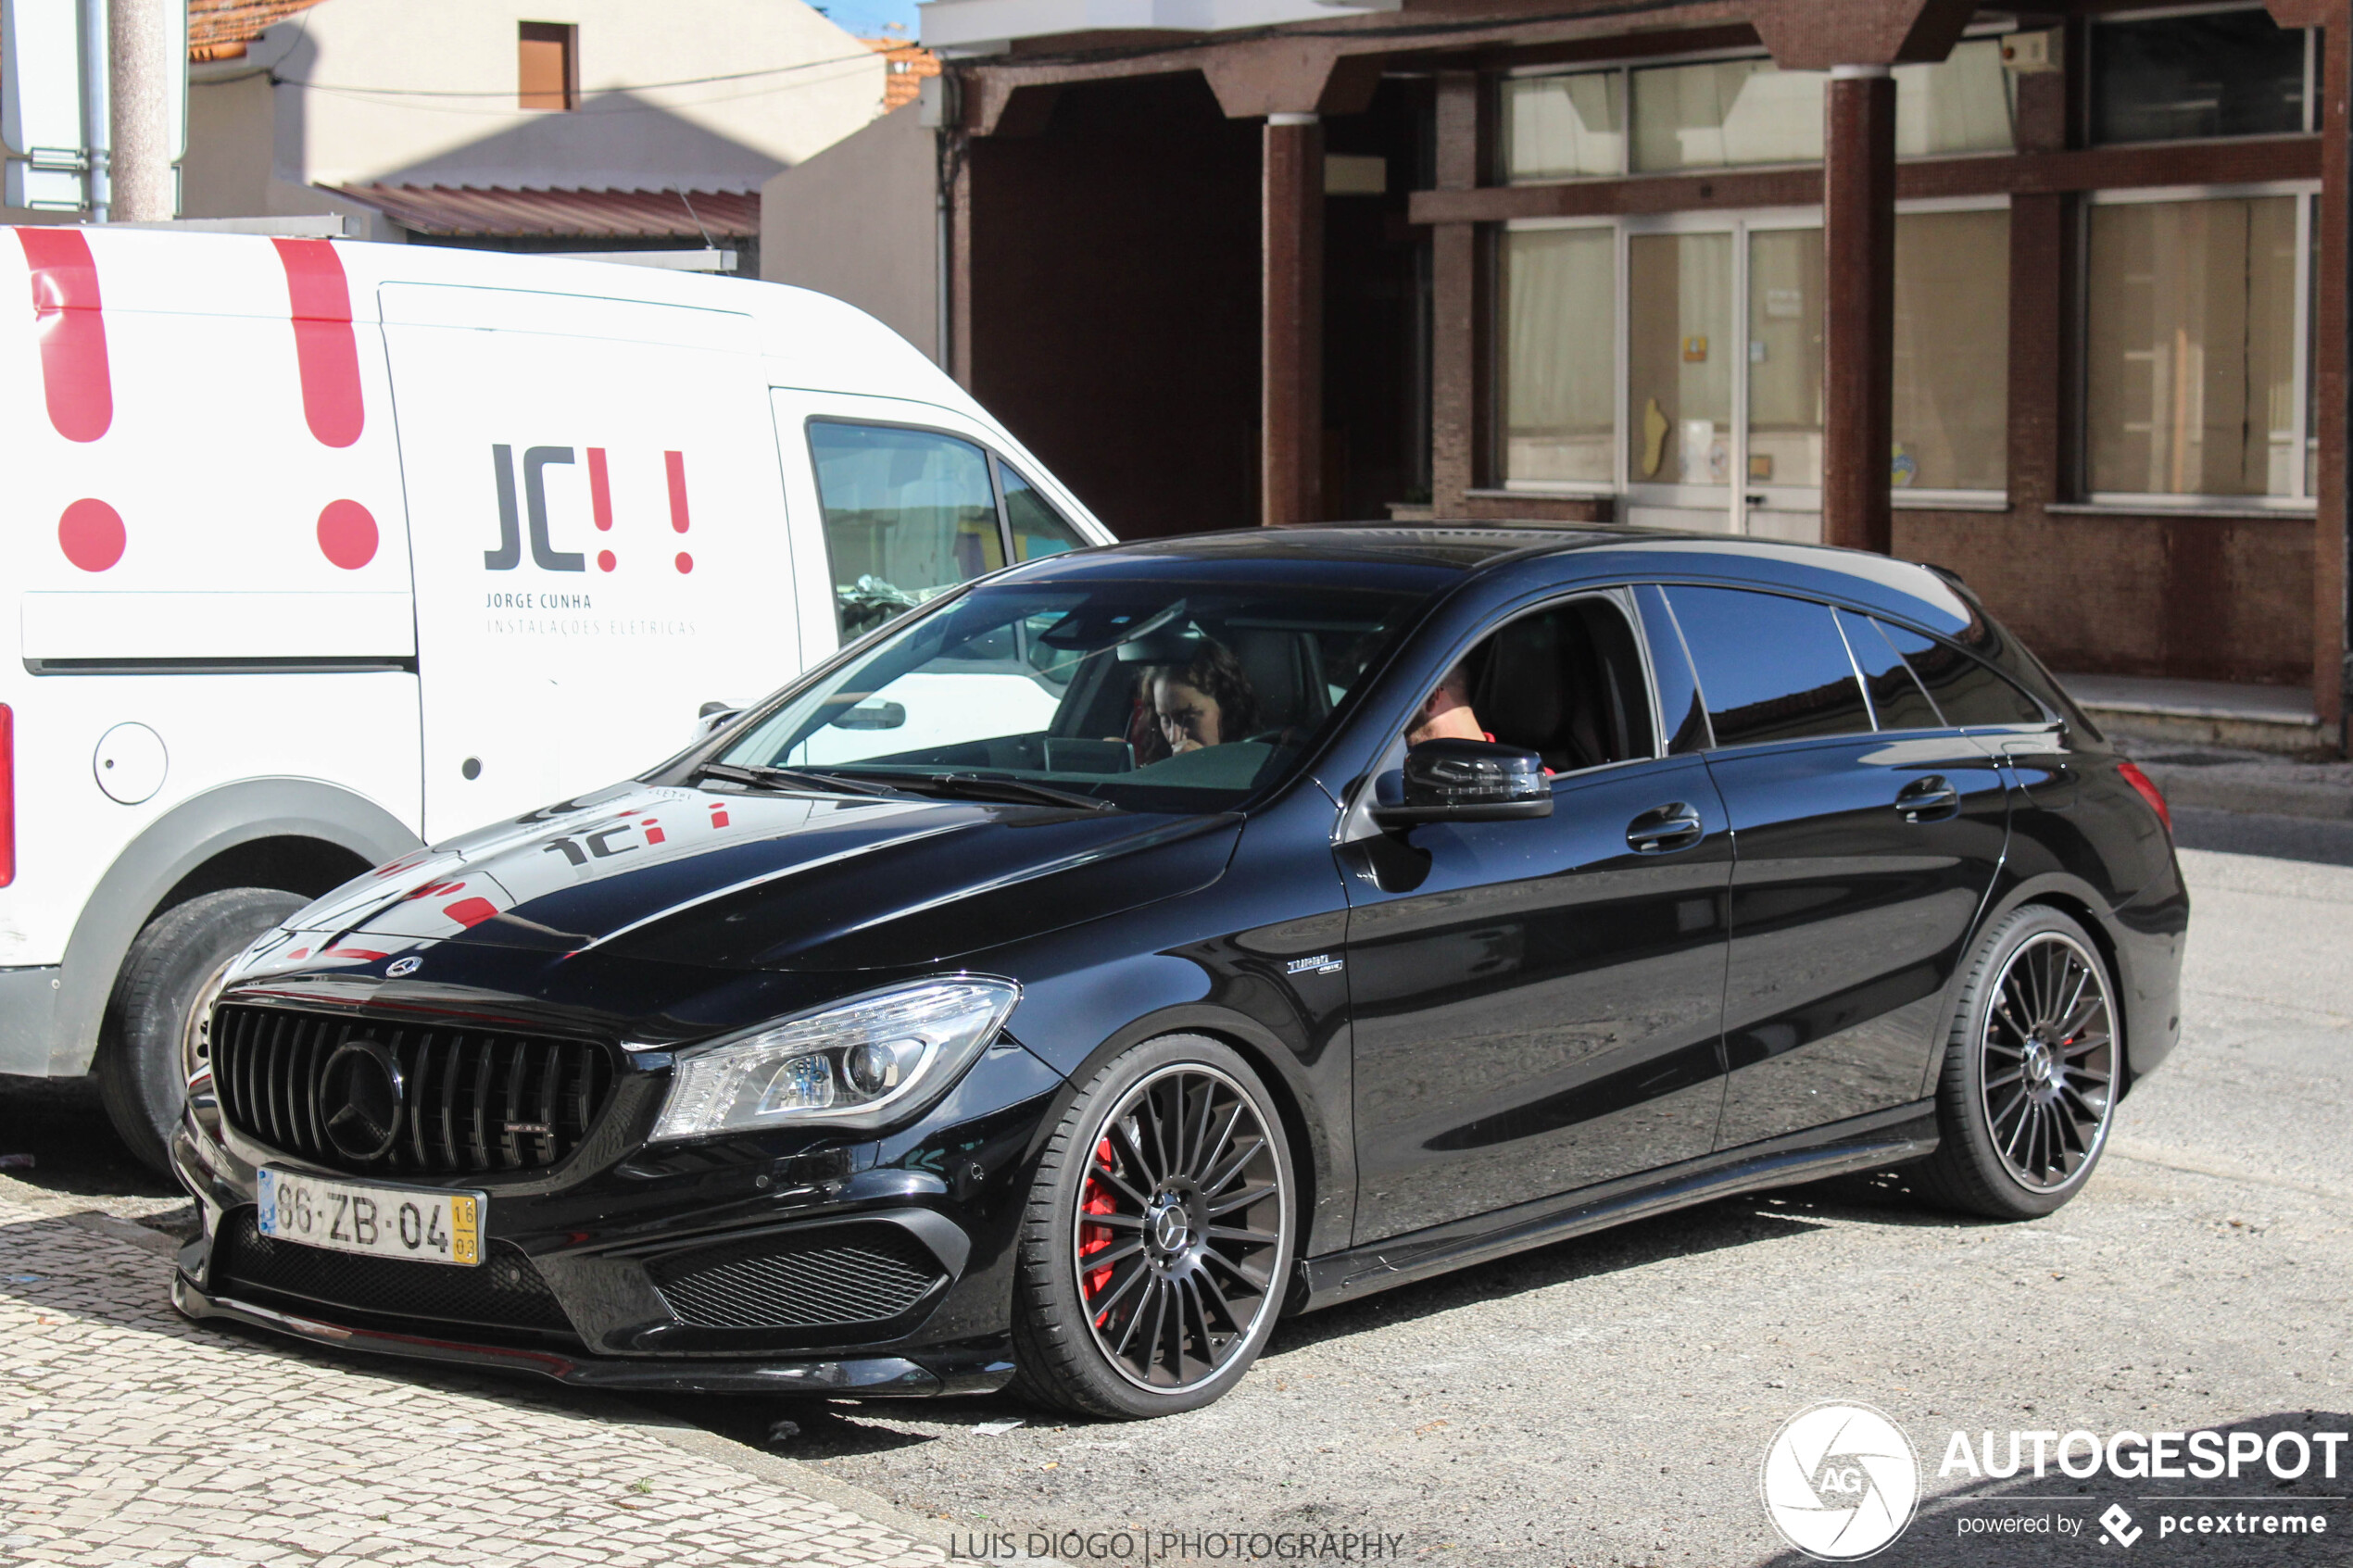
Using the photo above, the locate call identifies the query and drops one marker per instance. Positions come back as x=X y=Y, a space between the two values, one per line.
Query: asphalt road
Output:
x=1609 y=1400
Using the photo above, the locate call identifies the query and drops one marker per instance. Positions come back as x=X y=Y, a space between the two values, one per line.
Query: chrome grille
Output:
x=473 y=1101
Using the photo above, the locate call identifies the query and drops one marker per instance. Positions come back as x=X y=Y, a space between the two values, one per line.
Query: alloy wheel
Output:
x=1179 y=1228
x=2048 y=1059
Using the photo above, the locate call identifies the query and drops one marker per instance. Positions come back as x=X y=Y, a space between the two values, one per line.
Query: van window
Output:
x=909 y=513
x=1970 y=694
x=1037 y=528
x=1769 y=668
x=1897 y=701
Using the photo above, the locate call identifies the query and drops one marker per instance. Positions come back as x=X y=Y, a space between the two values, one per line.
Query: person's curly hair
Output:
x=1217 y=675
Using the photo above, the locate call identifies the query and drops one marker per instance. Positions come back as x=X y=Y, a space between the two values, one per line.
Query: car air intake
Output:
x=469 y=1101
x=840 y=1277
x=503 y=1291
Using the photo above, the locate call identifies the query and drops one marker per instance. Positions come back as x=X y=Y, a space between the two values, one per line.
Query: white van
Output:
x=320 y=552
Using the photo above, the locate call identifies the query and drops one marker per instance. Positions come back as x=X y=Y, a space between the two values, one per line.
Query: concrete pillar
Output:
x=1291 y=318
x=139 y=97
x=1858 y=329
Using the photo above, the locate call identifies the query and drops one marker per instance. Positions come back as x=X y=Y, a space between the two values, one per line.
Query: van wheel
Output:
x=1156 y=1248
x=2031 y=1072
x=152 y=1038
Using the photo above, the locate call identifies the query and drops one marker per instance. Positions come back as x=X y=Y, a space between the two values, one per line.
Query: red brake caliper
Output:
x=1094 y=1239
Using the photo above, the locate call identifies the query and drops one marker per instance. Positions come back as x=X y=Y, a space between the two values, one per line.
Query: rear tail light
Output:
x=2140 y=782
x=8 y=796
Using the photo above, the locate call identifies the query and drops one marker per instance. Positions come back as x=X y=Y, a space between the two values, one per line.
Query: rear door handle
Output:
x=1662 y=830
x=1927 y=800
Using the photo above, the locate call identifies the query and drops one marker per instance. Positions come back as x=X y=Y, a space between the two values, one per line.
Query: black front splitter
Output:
x=877 y=1376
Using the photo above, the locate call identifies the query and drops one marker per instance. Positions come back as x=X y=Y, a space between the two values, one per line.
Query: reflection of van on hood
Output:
x=321 y=551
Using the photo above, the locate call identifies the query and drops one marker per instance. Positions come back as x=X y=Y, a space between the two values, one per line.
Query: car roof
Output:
x=1596 y=551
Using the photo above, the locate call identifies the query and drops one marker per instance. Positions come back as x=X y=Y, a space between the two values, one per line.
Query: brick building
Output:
x=2082 y=273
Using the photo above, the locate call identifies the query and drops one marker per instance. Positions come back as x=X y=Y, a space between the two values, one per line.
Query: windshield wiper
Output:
x=981 y=786
x=764 y=777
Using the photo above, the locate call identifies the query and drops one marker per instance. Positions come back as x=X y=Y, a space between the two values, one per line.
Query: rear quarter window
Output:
x=1771 y=667
x=1970 y=692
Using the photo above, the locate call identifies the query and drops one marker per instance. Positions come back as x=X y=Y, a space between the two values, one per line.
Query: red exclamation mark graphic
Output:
x=600 y=502
x=327 y=356
x=654 y=834
x=72 y=332
x=718 y=814
x=675 y=462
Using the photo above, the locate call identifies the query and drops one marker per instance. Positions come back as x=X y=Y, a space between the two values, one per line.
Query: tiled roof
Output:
x=445 y=209
x=909 y=64
x=219 y=29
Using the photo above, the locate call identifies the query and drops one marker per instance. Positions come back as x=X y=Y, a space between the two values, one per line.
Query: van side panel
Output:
x=601 y=540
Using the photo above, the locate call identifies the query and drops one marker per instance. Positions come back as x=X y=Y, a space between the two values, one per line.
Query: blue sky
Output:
x=865 y=17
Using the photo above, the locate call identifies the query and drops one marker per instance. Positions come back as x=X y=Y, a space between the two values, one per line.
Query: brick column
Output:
x=1291 y=357
x=1858 y=248
x=1457 y=379
x=2330 y=369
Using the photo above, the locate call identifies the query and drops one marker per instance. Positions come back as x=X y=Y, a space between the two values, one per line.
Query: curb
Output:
x=2264 y=797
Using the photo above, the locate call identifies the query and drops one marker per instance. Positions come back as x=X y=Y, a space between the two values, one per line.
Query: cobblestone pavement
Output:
x=128 y=1435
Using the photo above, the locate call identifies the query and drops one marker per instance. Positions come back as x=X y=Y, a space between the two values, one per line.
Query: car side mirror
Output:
x=1468 y=781
x=713 y=717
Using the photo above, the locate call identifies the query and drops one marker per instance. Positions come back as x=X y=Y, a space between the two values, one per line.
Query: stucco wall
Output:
x=717 y=94
x=860 y=221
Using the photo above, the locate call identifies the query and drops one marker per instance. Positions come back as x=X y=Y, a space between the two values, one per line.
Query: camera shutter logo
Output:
x=1839 y=1482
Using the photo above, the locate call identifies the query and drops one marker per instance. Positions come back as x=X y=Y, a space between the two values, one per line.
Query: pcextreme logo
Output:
x=1839 y=1482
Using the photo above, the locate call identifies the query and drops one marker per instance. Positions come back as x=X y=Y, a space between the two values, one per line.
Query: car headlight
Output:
x=857 y=1064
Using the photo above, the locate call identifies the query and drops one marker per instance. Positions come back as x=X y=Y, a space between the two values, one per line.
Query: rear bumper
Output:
x=981 y=1370
x=28 y=1007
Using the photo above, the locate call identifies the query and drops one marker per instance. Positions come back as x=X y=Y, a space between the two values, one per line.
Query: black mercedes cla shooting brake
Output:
x=1111 y=955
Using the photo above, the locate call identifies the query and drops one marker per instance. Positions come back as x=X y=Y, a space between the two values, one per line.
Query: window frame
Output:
x=2303 y=499
x=1735 y=499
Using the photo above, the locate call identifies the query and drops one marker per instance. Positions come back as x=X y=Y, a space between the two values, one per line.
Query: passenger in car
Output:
x=1206 y=702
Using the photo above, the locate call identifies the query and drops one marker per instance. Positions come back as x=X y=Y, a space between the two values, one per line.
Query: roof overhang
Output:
x=984 y=27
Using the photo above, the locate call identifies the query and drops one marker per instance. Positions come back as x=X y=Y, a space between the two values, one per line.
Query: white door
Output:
x=599 y=534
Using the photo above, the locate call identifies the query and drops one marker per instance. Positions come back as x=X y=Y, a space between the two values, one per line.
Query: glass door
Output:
x=1724 y=399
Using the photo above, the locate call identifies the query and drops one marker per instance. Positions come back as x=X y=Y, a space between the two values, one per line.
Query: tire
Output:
x=149 y=1041
x=1170 y=1138
x=2031 y=1067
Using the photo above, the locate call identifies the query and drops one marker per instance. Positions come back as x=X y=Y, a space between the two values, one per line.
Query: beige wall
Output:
x=422 y=92
x=227 y=172
x=860 y=221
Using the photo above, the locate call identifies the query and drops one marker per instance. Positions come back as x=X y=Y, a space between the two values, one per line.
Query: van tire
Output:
x=172 y=964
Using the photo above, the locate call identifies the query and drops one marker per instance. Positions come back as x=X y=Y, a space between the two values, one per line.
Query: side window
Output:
x=1037 y=528
x=1565 y=683
x=1679 y=704
x=1970 y=694
x=1897 y=701
x=908 y=513
x=1769 y=668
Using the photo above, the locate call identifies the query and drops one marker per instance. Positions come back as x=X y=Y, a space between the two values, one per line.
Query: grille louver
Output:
x=838 y=1277
x=474 y=1100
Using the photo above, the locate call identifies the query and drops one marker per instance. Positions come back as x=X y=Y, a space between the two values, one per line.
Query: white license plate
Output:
x=375 y=1221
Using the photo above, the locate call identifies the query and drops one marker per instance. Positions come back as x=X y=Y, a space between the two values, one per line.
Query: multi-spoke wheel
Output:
x=1158 y=1241
x=2030 y=1069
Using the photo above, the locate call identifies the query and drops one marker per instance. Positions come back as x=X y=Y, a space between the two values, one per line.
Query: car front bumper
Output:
x=761 y=1265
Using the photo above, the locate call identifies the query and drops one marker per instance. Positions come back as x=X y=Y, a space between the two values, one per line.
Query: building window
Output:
x=547 y=65
x=1718 y=324
x=1720 y=113
x=1952 y=350
x=1560 y=357
x=2196 y=333
x=2222 y=73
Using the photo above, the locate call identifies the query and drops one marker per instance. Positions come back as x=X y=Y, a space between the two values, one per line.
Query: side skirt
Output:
x=1861 y=1143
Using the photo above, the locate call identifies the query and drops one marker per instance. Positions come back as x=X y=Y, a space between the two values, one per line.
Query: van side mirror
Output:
x=1468 y=781
x=713 y=717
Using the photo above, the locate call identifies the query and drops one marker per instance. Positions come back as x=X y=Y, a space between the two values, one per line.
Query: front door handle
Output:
x=1927 y=800
x=1662 y=830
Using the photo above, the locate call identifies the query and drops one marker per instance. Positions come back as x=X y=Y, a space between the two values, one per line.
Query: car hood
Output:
x=764 y=881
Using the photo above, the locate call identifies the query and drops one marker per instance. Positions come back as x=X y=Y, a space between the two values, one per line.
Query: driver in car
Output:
x=1446 y=713
x=1207 y=702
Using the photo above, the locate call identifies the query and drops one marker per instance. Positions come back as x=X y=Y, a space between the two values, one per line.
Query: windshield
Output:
x=1147 y=695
